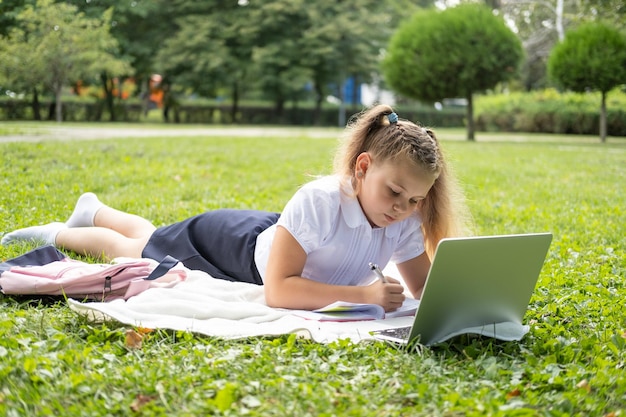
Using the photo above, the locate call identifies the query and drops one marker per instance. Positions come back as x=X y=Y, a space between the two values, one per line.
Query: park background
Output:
x=317 y=63
x=538 y=165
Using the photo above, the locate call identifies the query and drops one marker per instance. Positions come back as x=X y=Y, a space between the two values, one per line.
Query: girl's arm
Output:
x=414 y=272
x=286 y=288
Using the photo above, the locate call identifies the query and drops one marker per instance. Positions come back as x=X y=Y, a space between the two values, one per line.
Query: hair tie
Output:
x=392 y=117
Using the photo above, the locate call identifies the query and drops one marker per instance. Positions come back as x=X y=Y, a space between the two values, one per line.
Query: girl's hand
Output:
x=390 y=295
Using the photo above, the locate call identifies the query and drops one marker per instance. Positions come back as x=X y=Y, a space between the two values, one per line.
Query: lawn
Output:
x=54 y=362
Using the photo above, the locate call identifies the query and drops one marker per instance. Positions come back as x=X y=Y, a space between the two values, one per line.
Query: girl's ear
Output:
x=363 y=162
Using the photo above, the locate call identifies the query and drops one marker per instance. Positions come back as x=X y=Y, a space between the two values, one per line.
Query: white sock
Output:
x=85 y=210
x=46 y=233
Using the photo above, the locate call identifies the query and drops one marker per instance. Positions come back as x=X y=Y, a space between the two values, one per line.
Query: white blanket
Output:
x=230 y=310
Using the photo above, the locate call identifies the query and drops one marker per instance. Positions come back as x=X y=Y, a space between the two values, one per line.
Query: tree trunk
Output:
x=279 y=108
x=58 y=107
x=108 y=94
x=470 y=118
x=603 y=118
x=235 y=108
x=36 y=105
x=559 y=20
x=319 y=99
x=341 y=116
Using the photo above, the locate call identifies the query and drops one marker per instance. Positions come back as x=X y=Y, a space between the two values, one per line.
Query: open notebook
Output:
x=478 y=285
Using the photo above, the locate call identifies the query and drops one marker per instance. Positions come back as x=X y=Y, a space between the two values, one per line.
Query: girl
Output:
x=391 y=198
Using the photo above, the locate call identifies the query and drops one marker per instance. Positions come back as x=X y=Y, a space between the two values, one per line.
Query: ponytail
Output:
x=357 y=137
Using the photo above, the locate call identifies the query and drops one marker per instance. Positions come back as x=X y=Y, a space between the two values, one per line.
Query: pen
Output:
x=378 y=272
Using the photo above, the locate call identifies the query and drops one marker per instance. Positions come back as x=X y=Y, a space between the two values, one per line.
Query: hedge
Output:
x=548 y=111
x=219 y=113
x=73 y=111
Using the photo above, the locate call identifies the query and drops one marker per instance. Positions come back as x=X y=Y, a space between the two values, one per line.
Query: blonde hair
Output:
x=443 y=211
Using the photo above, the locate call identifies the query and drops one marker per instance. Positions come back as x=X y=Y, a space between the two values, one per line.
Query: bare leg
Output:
x=126 y=224
x=115 y=233
x=101 y=242
x=90 y=211
x=93 y=229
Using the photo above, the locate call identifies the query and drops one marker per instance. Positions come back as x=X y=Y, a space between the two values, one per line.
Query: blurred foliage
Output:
x=480 y=52
x=591 y=57
x=286 y=52
x=551 y=111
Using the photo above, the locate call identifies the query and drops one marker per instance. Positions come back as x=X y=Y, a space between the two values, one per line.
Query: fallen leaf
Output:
x=512 y=394
x=133 y=339
x=144 y=330
x=584 y=384
x=140 y=401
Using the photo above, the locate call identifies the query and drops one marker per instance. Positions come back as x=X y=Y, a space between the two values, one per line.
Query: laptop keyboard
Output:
x=398 y=332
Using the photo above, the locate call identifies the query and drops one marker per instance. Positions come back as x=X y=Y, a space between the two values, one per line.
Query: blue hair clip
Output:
x=393 y=118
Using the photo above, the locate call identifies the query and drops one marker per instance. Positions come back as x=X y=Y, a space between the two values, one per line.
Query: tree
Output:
x=323 y=42
x=291 y=44
x=592 y=57
x=19 y=78
x=211 y=49
x=451 y=53
x=340 y=43
x=280 y=49
x=9 y=10
x=54 y=45
x=611 y=11
x=541 y=24
x=139 y=28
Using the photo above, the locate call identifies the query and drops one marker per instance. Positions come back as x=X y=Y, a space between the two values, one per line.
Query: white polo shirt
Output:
x=338 y=239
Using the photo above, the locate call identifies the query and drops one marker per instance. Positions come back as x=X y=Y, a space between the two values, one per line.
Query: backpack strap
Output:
x=39 y=256
x=164 y=266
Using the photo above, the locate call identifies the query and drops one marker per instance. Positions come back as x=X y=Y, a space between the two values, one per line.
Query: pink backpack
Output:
x=76 y=279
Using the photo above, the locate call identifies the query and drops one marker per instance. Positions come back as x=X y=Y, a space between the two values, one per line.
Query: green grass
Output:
x=53 y=362
x=9 y=129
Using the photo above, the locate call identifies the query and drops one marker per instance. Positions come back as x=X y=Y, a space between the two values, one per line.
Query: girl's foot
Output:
x=46 y=233
x=85 y=210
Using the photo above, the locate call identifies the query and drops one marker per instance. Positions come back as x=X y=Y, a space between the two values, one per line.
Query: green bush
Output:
x=593 y=56
x=11 y=109
x=548 y=111
x=74 y=110
x=204 y=112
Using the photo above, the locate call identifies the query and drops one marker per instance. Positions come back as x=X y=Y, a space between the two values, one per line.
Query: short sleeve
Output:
x=411 y=241
x=309 y=215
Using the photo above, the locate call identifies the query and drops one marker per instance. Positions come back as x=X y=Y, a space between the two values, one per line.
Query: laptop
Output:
x=480 y=285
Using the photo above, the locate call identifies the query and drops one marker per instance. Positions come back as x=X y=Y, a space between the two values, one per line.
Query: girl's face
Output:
x=390 y=191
